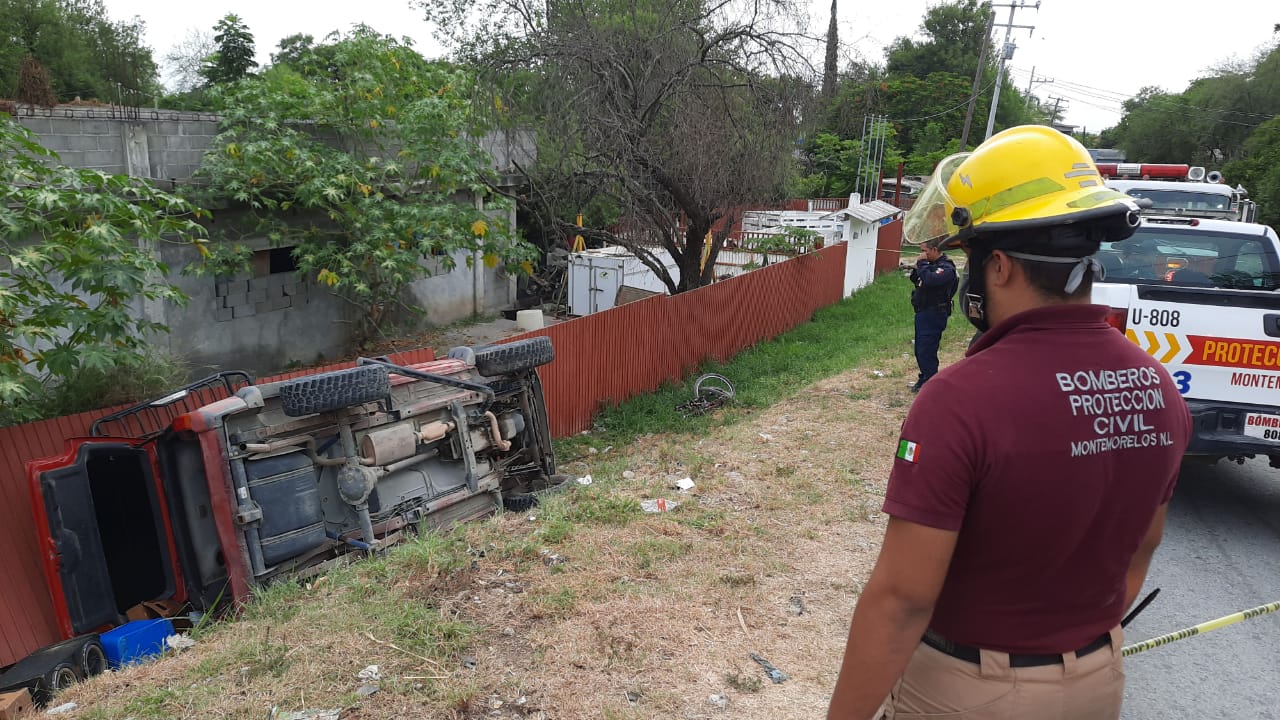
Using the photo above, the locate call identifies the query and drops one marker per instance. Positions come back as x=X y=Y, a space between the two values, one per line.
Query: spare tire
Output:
x=334 y=390
x=514 y=357
x=526 y=496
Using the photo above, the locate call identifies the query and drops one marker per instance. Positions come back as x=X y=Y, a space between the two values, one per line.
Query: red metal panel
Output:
x=889 y=247
x=614 y=355
x=26 y=617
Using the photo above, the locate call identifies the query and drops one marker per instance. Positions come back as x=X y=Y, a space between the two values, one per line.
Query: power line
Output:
x=1101 y=94
x=1117 y=93
x=948 y=110
x=1177 y=110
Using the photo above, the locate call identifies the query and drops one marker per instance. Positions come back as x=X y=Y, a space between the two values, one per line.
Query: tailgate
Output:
x=1221 y=345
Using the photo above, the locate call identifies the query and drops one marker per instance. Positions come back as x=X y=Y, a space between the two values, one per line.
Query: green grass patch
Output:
x=709 y=520
x=876 y=322
x=552 y=603
x=431 y=554
x=276 y=603
x=654 y=552
x=159 y=702
x=418 y=627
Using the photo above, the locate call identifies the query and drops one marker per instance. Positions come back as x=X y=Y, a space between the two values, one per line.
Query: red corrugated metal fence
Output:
x=889 y=247
x=632 y=349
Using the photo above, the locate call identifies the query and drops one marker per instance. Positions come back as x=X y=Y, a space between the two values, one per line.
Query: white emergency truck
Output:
x=1201 y=295
x=1180 y=190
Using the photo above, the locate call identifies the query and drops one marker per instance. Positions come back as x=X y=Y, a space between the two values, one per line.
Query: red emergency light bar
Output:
x=1137 y=170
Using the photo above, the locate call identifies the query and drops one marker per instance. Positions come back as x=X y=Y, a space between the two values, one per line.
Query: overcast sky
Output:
x=1096 y=51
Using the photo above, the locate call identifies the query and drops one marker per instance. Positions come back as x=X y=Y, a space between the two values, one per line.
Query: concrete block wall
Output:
x=246 y=297
x=271 y=323
x=178 y=148
x=92 y=144
x=160 y=145
x=262 y=325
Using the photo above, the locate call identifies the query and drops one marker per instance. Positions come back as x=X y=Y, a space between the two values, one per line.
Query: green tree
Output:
x=232 y=58
x=831 y=167
x=1208 y=123
x=293 y=49
x=354 y=161
x=1259 y=171
x=951 y=44
x=86 y=53
x=78 y=251
x=665 y=106
x=933 y=144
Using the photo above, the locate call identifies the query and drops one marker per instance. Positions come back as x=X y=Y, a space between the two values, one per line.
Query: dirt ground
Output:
x=649 y=616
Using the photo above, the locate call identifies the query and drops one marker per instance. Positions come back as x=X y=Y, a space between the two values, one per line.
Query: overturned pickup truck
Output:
x=225 y=485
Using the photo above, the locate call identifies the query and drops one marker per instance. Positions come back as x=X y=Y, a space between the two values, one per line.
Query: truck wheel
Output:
x=514 y=357
x=334 y=390
x=526 y=496
x=61 y=677
x=93 y=661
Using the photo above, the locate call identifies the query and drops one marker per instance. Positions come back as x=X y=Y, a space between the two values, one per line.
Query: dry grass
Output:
x=586 y=607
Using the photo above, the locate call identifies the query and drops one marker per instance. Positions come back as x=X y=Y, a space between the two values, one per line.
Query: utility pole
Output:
x=1006 y=54
x=977 y=78
x=1053 y=118
x=1033 y=82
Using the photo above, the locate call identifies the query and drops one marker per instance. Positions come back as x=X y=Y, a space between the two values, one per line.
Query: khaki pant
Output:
x=936 y=685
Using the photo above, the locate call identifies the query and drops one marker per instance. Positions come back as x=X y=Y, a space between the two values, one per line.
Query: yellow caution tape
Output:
x=1201 y=628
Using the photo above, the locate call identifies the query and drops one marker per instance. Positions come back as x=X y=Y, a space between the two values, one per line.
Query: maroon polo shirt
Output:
x=1048 y=448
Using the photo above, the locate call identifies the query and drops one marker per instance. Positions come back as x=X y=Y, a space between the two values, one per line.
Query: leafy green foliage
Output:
x=1260 y=171
x=953 y=39
x=77 y=259
x=1208 y=123
x=832 y=165
x=86 y=53
x=932 y=145
x=233 y=58
x=352 y=154
x=791 y=241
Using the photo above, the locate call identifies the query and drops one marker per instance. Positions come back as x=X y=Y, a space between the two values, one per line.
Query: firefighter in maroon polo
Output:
x=1032 y=477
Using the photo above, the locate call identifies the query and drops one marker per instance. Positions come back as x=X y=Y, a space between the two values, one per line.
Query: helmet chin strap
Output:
x=1085 y=264
x=973 y=291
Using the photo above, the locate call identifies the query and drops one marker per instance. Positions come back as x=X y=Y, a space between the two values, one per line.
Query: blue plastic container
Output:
x=135 y=641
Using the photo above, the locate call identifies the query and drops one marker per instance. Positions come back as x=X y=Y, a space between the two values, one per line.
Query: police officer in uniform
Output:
x=1031 y=478
x=934 y=277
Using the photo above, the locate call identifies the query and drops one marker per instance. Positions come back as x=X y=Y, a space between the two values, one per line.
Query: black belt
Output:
x=942 y=307
x=973 y=654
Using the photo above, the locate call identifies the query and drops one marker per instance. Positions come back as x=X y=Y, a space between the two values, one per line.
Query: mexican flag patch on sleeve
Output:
x=908 y=451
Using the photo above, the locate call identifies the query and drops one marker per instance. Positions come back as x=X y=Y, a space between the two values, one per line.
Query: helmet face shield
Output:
x=929 y=219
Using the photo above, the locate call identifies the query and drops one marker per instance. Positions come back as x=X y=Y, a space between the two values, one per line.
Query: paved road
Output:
x=1221 y=554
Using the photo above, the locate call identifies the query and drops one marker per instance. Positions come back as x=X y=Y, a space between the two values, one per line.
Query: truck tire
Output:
x=93 y=661
x=514 y=357
x=527 y=497
x=58 y=678
x=334 y=390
